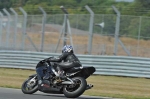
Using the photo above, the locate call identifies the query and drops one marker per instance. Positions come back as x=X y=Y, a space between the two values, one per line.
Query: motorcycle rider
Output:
x=66 y=60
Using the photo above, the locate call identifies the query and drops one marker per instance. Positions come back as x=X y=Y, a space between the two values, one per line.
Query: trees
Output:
x=77 y=6
x=144 y=3
x=5 y=4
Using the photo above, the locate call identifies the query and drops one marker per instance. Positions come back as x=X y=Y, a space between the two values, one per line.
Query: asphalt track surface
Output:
x=8 y=93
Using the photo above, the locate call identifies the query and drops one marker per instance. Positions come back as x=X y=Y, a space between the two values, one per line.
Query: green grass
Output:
x=121 y=87
x=106 y=86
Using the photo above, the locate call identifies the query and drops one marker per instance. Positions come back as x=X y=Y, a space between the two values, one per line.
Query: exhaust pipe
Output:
x=89 y=86
x=67 y=82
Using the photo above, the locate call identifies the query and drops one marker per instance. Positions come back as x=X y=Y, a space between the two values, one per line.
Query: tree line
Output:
x=138 y=7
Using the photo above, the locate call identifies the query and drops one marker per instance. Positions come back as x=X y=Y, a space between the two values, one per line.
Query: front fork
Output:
x=32 y=81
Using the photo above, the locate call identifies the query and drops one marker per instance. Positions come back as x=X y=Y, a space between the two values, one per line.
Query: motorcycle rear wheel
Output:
x=75 y=90
x=29 y=88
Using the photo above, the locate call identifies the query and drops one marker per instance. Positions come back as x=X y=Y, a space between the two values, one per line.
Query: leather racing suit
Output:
x=67 y=60
x=64 y=61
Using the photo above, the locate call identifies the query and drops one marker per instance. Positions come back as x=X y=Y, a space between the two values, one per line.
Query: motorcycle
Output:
x=73 y=86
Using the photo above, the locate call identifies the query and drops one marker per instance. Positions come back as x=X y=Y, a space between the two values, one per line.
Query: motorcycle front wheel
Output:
x=76 y=89
x=30 y=86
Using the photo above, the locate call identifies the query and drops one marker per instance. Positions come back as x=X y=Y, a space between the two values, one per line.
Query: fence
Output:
x=16 y=33
x=105 y=65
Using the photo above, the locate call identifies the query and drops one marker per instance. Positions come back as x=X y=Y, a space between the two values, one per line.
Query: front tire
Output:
x=75 y=90
x=30 y=87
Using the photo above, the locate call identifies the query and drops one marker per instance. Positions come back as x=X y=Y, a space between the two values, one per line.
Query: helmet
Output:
x=67 y=48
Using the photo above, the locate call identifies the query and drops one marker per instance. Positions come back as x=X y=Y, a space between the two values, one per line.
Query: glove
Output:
x=45 y=60
x=48 y=59
x=42 y=61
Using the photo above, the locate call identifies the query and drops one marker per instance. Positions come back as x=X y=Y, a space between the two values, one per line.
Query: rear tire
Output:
x=26 y=89
x=78 y=88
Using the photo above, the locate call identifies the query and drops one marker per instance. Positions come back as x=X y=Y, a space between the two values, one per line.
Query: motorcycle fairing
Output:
x=86 y=72
x=33 y=75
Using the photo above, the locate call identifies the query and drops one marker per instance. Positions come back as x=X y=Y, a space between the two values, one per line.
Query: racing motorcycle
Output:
x=73 y=86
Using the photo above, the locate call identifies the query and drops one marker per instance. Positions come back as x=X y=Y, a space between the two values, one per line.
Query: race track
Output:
x=8 y=93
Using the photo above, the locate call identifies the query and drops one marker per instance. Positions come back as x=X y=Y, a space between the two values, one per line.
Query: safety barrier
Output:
x=105 y=65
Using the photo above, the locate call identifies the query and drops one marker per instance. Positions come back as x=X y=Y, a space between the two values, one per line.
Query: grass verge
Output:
x=106 y=86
